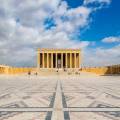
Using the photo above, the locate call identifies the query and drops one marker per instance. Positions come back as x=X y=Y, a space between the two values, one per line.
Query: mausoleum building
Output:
x=58 y=58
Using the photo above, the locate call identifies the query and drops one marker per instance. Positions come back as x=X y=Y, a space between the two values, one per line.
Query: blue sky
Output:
x=92 y=25
x=105 y=22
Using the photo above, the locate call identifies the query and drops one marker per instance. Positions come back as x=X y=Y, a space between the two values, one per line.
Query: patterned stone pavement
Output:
x=81 y=97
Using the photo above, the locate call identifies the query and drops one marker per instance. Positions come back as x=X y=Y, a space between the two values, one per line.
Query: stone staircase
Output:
x=54 y=72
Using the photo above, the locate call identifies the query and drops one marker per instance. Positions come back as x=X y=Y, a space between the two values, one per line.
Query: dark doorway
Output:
x=64 y=61
x=54 y=60
x=59 y=61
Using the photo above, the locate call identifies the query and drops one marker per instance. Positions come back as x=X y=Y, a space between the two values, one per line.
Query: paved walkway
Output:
x=84 y=97
x=58 y=107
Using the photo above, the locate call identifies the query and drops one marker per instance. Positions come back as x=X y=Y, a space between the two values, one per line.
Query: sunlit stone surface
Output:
x=60 y=96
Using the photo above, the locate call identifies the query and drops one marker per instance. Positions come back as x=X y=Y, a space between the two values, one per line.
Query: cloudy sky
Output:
x=92 y=25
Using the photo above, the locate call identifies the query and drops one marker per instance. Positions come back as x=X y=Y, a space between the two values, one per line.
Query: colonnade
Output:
x=58 y=60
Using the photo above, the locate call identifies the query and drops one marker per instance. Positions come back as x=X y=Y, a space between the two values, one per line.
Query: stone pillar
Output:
x=56 y=60
x=79 y=60
x=66 y=62
x=75 y=59
x=51 y=60
x=70 y=60
x=61 y=60
x=38 y=60
x=43 y=62
x=47 y=60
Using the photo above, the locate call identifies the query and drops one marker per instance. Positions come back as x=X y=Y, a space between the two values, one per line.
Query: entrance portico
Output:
x=58 y=58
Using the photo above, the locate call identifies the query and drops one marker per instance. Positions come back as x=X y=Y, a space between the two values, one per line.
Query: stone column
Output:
x=79 y=60
x=61 y=60
x=70 y=60
x=43 y=62
x=75 y=59
x=66 y=62
x=56 y=60
x=47 y=60
x=38 y=60
x=51 y=60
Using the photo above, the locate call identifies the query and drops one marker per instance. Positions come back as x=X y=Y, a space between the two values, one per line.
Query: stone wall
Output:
x=15 y=70
x=115 y=69
x=3 y=69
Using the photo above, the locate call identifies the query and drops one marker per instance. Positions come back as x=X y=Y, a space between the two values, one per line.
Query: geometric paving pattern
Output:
x=60 y=98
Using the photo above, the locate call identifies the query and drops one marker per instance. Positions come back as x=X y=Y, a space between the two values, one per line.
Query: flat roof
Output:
x=58 y=49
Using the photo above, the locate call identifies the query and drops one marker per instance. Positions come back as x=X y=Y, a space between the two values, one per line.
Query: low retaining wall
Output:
x=115 y=69
x=15 y=70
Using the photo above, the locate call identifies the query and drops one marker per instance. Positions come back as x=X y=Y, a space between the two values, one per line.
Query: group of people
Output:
x=29 y=73
x=63 y=69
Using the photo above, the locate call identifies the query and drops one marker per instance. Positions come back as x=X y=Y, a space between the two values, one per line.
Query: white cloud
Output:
x=97 y=1
x=101 y=56
x=22 y=28
x=99 y=4
x=111 y=39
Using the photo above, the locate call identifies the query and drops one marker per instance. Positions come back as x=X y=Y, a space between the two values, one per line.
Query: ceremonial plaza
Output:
x=58 y=88
x=59 y=60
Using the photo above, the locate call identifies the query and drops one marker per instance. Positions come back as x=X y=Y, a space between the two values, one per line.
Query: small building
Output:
x=3 y=69
x=58 y=58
